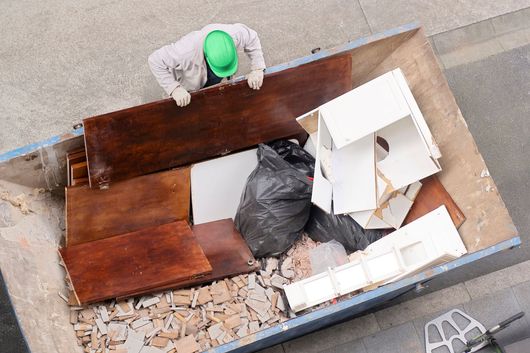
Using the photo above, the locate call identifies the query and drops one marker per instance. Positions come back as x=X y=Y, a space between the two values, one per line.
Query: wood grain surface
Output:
x=134 y=262
x=129 y=205
x=219 y=119
x=431 y=196
x=74 y=157
x=224 y=248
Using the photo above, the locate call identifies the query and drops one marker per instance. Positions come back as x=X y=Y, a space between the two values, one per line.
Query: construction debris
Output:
x=185 y=320
x=301 y=258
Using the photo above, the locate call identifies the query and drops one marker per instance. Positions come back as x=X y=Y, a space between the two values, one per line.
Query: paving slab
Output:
x=512 y=21
x=436 y=15
x=518 y=347
x=496 y=307
x=274 y=349
x=422 y=306
x=399 y=339
x=482 y=39
x=356 y=346
x=515 y=39
x=494 y=281
x=522 y=294
x=333 y=336
x=460 y=37
x=471 y=53
x=419 y=324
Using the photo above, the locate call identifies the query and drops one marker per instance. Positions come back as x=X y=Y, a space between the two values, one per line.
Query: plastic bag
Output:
x=276 y=202
x=295 y=155
x=324 y=227
x=330 y=254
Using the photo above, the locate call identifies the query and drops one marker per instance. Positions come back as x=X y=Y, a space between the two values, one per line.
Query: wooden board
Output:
x=72 y=158
x=79 y=170
x=220 y=119
x=431 y=196
x=132 y=262
x=224 y=248
x=127 y=206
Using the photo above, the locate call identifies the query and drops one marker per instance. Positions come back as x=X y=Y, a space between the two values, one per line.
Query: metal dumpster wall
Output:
x=30 y=265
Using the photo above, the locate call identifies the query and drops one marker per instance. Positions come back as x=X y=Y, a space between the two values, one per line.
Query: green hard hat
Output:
x=221 y=54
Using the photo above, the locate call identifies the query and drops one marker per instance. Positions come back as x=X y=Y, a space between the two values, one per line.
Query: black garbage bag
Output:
x=276 y=202
x=324 y=227
x=295 y=155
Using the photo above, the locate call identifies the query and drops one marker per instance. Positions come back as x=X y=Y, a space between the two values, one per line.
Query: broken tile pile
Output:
x=186 y=320
x=301 y=261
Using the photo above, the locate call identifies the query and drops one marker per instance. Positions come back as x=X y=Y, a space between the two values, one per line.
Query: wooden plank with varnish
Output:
x=146 y=259
x=79 y=170
x=218 y=120
x=225 y=249
x=72 y=158
x=431 y=196
x=130 y=205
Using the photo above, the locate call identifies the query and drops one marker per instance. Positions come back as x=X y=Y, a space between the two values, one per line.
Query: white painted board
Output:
x=364 y=110
x=354 y=181
x=400 y=79
x=428 y=241
x=322 y=188
x=408 y=158
x=217 y=185
x=436 y=224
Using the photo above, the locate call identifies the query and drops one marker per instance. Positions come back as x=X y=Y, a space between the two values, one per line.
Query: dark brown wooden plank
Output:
x=132 y=262
x=127 y=206
x=224 y=248
x=73 y=157
x=220 y=119
x=79 y=170
x=431 y=196
x=79 y=182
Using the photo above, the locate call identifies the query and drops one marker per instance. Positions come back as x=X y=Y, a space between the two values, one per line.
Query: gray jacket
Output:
x=182 y=63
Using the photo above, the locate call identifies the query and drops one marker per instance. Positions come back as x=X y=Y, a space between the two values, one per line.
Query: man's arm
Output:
x=248 y=39
x=161 y=64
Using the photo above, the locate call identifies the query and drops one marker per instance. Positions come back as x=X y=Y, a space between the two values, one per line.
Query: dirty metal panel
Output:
x=143 y=260
x=220 y=119
x=129 y=205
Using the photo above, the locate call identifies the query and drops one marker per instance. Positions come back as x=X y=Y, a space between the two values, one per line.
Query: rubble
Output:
x=300 y=257
x=184 y=320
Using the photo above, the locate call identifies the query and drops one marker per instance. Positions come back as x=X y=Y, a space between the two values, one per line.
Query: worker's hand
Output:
x=255 y=79
x=181 y=96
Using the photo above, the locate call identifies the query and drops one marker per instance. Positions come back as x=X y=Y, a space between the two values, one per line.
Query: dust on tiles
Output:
x=186 y=320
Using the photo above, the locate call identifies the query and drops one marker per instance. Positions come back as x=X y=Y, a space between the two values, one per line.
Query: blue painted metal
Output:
x=22 y=151
x=343 y=310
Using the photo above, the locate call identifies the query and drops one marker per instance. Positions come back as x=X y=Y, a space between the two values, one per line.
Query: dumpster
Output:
x=33 y=177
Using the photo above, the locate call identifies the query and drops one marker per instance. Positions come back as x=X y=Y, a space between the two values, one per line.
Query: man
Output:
x=203 y=58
